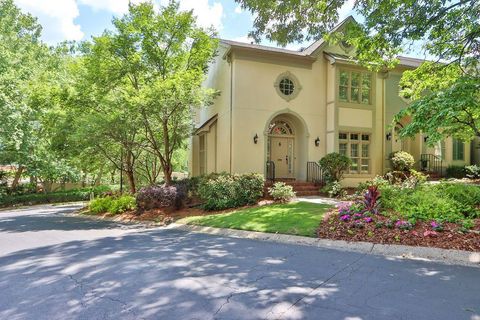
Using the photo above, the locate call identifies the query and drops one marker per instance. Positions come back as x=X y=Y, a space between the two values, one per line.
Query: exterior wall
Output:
x=218 y=145
x=256 y=103
x=249 y=102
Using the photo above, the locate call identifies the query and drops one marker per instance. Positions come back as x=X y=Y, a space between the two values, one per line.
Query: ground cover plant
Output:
x=444 y=215
x=112 y=204
x=297 y=218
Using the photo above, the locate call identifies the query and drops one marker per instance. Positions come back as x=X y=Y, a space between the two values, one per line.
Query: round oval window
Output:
x=286 y=86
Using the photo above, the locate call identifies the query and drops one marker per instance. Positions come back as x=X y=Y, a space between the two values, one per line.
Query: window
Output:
x=202 y=154
x=458 y=150
x=286 y=86
x=279 y=128
x=356 y=146
x=355 y=87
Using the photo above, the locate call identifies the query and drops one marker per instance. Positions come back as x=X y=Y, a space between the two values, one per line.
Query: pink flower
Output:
x=345 y=217
x=368 y=219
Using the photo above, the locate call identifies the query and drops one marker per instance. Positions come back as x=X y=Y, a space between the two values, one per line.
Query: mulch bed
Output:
x=420 y=235
x=166 y=216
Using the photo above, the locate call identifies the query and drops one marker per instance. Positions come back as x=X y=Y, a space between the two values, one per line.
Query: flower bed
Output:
x=382 y=229
x=445 y=215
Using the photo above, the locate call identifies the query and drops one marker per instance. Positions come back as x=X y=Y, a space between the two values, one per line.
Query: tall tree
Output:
x=153 y=65
x=449 y=31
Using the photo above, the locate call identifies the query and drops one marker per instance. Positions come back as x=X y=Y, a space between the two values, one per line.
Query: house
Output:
x=280 y=111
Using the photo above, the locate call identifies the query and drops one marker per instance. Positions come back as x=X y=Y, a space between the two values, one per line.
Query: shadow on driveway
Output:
x=170 y=274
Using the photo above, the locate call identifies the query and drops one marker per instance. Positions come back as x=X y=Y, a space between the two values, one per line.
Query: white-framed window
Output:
x=202 y=154
x=355 y=87
x=287 y=86
x=458 y=150
x=356 y=146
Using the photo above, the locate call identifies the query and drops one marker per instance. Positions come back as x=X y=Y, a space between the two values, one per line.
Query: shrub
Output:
x=423 y=203
x=222 y=191
x=154 y=197
x=402 y=161
x=334 y=189
x=122 y=204
x=472 y=172
x=335 y=165
x=455 y=172
x=36 y=198
x=100 y=205
x=281 y=192
x=468 y=196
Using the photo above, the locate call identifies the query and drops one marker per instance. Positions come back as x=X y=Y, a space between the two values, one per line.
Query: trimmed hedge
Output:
x=223 y=191
x=53 y=197
x=154 y=197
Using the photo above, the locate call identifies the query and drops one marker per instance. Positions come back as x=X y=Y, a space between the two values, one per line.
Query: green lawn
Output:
x=299 y=218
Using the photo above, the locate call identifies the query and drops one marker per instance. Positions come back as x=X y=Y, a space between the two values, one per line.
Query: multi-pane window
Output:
x=202 y=153
x=356 y=146
x=355 y=87
x=286 y=86
x=458 y=150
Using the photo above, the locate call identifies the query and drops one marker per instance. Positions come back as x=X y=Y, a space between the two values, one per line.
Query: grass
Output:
x=299 y=218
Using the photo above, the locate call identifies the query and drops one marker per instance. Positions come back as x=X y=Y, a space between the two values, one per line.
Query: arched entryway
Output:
x=286 y=146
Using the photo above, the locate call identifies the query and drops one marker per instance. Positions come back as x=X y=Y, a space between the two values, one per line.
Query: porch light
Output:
x=317 y=142
x=255 y=138
x=425 y=138
x=388 y=136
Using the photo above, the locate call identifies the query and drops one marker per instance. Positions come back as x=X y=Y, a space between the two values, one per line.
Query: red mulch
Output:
x=168 y=215
x=449 y=238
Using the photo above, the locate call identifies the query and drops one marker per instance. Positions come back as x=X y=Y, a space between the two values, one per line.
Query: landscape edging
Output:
x=447 y=256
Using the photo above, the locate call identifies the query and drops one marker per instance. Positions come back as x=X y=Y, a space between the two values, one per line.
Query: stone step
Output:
x=307 y=193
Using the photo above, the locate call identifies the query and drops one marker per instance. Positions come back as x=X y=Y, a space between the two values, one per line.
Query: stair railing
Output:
x=431 y=163
x=270 y=170
x=315 y=173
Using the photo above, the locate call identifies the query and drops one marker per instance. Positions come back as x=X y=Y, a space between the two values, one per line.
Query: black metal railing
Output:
x=315 y=173
x=431 y=163
x=270 y=170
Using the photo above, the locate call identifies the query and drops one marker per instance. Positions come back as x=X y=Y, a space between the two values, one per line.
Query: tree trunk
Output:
x=131 y=181
x=98 y=179
x=167 y=173
x=18 y=175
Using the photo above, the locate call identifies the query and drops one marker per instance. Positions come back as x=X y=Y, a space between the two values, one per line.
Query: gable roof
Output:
x=310 y=50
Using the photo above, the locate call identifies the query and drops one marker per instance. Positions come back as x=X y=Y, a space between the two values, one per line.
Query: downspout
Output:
x=231 y=110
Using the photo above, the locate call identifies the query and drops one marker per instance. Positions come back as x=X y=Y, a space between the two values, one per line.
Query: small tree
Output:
x=335 y=165
x=402 y=161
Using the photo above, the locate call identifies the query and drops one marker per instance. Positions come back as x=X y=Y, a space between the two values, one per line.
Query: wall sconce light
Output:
x=317 y=142
x=388 y=136
x=255 y=138
x=425 y=139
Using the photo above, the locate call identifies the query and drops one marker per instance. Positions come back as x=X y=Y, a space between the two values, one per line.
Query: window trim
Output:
x=360 y=142
x=359 y=87
x=455 y=149
x=296 y=85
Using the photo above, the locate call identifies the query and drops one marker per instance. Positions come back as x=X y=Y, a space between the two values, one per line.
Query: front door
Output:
x=281 y=153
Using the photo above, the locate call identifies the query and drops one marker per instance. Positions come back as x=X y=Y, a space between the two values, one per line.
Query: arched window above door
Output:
x=280 y=128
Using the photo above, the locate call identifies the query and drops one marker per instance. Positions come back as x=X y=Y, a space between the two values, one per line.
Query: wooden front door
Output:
x=281 y=153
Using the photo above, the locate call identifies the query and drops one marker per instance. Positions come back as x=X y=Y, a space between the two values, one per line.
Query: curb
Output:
x=445 y=256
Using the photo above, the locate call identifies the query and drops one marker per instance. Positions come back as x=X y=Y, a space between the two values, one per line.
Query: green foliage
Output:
x=112 y=205
x=443 y=202
x=335 y=164
x=281 y=192
x=222 y=191
x=402 y=161
x=334 y=189
x=100 y=205
x=37 y=198
x=472 y=172
x=455 y=171
x=122 y=204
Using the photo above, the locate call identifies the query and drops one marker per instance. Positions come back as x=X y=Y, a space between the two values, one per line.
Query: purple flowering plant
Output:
x=368 y=219
x=345 y=217
x=403 y=225
x=436 y=226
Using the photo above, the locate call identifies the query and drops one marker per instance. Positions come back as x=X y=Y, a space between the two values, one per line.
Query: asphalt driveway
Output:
x=58 y=267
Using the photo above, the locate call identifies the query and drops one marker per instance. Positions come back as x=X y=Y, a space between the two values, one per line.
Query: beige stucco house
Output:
x=287 y=109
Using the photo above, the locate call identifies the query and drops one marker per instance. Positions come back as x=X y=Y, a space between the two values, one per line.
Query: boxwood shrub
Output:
x=222 y=191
